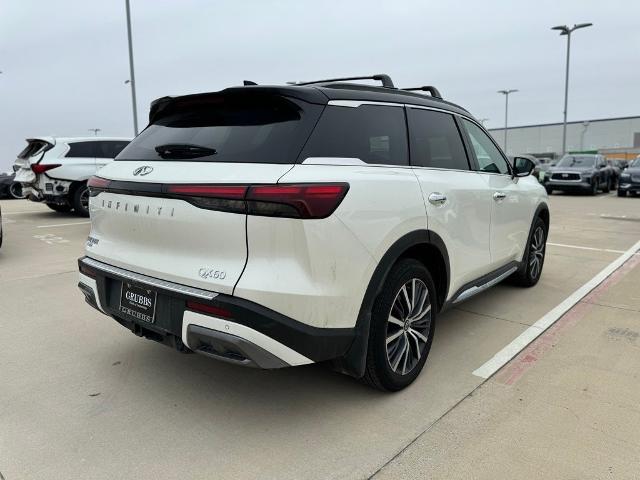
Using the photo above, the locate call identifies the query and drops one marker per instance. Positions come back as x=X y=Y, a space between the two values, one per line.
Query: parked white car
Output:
x=55 y=170
x=326 y=221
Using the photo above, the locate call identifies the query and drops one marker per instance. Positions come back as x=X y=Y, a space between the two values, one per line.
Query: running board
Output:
x=475 y=289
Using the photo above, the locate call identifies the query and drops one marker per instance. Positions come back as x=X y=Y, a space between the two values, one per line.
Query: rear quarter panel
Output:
x=317 y=271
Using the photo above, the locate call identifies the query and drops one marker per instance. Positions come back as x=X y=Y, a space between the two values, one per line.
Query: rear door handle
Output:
x=437 y=199
x=499 y=196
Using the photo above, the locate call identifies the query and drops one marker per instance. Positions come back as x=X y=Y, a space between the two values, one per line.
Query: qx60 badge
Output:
x=142 y=171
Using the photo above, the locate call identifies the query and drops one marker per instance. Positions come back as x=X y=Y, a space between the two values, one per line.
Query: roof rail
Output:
x=385 y=79
x=432 y=90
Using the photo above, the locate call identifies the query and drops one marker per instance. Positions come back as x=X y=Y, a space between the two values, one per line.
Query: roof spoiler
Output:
x=382 y=77
x=428 y=88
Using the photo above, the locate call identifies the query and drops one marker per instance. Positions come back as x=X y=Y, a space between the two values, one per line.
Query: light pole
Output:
x=564 y=30
x=95 y=131
x=506 y=113
x=132 y=75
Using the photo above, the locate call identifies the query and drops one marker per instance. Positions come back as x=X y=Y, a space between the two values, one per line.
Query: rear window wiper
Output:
x=184 y=150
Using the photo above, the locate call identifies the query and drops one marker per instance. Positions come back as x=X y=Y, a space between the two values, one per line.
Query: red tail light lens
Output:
x=38 y=168
x=98 y=182
x=230 y=192
x=297 y=201
x=303 y=200
x=209 y=309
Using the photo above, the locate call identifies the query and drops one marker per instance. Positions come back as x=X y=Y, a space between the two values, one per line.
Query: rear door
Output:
x=175 y=206
x=456 y=198
x=32 y=153
x=510 y=211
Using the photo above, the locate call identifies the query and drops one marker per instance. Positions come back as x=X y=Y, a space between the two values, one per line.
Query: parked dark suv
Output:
x=630 y=179
x=586 y=173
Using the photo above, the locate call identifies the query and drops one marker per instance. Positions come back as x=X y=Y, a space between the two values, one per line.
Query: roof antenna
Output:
x=248 y=82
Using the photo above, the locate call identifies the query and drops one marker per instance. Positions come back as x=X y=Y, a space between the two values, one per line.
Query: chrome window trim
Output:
x=357 y=103
x=145 y=279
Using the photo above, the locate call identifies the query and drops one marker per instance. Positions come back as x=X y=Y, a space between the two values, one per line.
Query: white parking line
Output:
x=62 y=224
x=585 y=248
x=534 y=331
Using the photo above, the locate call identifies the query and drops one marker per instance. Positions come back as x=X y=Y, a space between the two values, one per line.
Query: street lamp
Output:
x=564 y=30
x=132 y=80
x=506 y=113
x=95 y=131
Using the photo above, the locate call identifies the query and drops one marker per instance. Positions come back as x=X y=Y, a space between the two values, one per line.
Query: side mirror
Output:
x=522 y=167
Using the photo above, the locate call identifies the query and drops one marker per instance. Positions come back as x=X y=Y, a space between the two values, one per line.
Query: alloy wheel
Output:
x=408 y=326
x=84 y=199
x=536 y=252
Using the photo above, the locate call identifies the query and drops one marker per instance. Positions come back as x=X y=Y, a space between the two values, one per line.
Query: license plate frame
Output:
x=140 y=304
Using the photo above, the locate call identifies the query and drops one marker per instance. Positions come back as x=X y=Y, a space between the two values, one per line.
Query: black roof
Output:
x=322 y=94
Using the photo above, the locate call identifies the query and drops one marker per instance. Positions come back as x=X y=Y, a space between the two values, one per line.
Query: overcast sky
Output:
x=64 y=63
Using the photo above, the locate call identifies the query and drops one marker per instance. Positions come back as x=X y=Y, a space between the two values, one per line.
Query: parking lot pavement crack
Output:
x=627 y=309
x=429 y=427
x=493 y=317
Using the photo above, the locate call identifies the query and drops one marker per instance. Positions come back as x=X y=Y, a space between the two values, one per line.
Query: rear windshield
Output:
x=35 y=147
x=235 y=129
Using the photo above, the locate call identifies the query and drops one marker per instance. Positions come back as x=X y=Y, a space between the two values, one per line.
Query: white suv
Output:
x=55 y=170
x=285 y=225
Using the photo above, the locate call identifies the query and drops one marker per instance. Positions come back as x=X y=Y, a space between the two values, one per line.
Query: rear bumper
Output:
x=248 y=334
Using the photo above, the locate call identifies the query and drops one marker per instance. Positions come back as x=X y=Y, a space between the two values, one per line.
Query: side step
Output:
x=485 y=282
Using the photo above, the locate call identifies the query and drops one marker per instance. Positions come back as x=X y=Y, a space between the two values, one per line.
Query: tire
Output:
x=594 y=188
x=81 y=200
x=56 y=207
x=622 y=193
x=607 y=187
x=393 y=365
x=15 y=191
x=529 y=272
x=549 y=190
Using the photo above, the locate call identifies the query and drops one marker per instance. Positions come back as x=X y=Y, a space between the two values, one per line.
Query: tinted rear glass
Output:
x=373 y=133
x=242 y=129
x=82 y=149
x=435 y=140
x=110 y=148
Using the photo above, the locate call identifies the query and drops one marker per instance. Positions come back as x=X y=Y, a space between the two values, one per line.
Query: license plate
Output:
x=138 y=302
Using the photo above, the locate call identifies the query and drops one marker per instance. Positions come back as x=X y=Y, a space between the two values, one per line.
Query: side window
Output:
x=489 y=157
x=435 y=140
x=82 y=149
x=109 y=149
x=117 y=147
x=372 y=133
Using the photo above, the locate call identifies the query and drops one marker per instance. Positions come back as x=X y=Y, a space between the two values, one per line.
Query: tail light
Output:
x=98 y=182
x=307 y=201
x=296 y=201
x=39 y=168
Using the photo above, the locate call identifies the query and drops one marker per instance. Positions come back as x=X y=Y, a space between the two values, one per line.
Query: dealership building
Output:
x=613 y=137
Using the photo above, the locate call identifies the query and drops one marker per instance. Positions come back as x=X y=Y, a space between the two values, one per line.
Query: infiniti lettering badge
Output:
x=142 y=171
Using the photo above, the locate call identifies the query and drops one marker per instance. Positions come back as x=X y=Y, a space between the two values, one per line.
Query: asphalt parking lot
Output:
x=81 y=397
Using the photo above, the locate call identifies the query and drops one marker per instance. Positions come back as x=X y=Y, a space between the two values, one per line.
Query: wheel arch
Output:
x=423 y=245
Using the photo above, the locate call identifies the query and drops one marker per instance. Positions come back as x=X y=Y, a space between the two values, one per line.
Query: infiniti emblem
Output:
x=142 y=171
